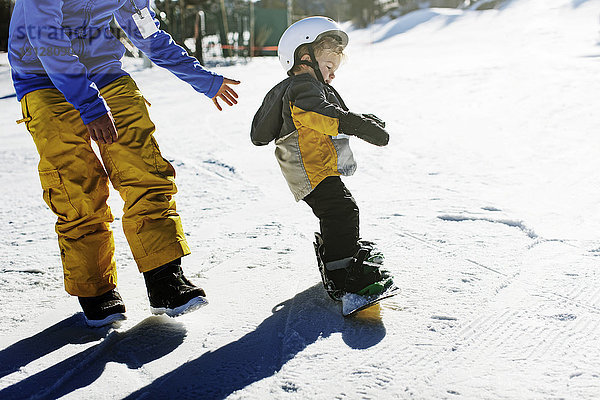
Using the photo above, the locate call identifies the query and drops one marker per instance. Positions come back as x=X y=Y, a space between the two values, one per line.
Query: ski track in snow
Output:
x=485 y=204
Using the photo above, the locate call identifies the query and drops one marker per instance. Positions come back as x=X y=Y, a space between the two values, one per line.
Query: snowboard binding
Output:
x=330 y=288
x=367 y=258
x=363 y=274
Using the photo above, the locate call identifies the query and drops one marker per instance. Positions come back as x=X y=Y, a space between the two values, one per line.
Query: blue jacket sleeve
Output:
x=43 y=21
x=164 y=52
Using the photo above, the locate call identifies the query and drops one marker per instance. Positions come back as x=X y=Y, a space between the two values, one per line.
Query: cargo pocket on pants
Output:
x=162 y=165
x=56 y=196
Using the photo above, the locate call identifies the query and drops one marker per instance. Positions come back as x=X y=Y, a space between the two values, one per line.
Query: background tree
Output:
x=5 y=11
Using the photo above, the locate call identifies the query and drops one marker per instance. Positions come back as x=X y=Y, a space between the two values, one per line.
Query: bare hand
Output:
x=225 y=93
x=103 y=129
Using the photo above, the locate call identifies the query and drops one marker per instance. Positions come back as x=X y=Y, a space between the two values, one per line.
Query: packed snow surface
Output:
x=486 y=203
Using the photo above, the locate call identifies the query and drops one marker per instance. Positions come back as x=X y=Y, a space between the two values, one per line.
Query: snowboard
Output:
x=353 y=303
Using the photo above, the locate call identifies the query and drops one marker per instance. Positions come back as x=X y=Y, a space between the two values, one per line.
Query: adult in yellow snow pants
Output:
x=75 y=186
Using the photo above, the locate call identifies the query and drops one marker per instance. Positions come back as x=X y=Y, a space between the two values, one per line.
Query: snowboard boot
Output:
x=360 y=274
x=170 y=292
x=104 y=309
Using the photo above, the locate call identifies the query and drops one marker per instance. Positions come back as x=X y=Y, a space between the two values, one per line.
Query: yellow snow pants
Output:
x=75 y=186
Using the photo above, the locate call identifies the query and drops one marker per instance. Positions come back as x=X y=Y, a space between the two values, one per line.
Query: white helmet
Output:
x=306 y=30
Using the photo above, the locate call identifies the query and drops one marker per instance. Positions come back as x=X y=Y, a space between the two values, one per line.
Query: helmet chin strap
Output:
x=314 y=64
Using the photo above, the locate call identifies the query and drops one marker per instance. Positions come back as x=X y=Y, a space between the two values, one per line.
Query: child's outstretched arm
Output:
x=311 y=109
x=365 y=126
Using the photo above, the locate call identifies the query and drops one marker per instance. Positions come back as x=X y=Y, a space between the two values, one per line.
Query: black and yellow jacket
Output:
x=303 y=115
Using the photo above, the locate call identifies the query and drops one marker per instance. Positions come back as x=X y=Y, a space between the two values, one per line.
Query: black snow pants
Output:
x=337 y=211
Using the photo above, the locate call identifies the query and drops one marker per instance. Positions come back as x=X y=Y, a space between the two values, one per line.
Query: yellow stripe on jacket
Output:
x=318 y=153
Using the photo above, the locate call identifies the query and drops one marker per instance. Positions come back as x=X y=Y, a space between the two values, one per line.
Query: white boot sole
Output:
x=97 y=323
x=191 y=305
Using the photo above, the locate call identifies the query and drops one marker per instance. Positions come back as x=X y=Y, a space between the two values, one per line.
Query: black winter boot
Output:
x=104 y=309
x=170 y=292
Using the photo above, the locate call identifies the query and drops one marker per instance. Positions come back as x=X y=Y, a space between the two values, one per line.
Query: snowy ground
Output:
x=486 y=203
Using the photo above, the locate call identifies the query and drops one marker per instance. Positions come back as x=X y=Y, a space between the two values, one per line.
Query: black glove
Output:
x=367 y=127
x=376 y=119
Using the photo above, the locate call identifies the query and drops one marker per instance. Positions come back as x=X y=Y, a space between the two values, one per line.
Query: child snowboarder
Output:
x=310 y=124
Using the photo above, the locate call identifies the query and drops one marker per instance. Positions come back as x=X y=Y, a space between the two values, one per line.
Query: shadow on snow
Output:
x=68 y=331
x=294 y=325
x=149 y=340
